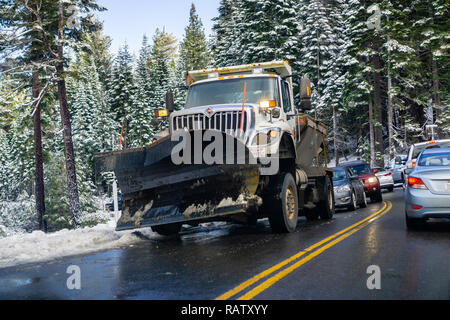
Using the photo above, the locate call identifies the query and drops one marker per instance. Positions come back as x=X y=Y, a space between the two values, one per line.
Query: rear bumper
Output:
x=432 y=205
x=388 y=185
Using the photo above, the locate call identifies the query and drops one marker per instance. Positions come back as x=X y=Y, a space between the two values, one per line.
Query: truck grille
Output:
x=226 y=121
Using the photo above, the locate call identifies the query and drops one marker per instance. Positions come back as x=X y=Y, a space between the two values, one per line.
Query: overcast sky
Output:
x=129 y=20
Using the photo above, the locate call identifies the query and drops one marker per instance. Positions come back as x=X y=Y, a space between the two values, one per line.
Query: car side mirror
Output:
x=305 y=93
x=170 y=106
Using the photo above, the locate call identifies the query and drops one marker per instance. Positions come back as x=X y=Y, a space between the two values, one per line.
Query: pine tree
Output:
x=226 y=44
x=194 y=53
x=162 y=64
x=140 y=130
x=121 y=91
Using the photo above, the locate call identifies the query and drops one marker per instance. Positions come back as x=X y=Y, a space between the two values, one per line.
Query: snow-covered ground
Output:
x=38 y=246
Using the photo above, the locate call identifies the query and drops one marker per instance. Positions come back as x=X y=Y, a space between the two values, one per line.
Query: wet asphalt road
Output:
x=205 y=263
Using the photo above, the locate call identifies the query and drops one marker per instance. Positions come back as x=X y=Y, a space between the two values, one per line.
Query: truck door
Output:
x=288 y=105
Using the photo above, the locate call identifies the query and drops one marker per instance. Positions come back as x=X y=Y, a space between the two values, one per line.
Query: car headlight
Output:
x=340 y=189
x=372 y=180
x=266 y=136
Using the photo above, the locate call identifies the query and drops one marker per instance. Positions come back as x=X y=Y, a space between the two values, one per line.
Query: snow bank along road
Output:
x=38 y=246
x=322 y=260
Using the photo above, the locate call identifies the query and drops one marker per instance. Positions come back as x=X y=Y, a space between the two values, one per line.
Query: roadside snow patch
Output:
x=38 y=246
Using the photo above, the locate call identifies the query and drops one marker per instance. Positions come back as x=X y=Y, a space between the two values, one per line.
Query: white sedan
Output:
x=385 y=177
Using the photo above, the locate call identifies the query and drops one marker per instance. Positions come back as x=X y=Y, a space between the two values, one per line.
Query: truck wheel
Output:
x=326 y=207
x=167 y=229
x=283 y=204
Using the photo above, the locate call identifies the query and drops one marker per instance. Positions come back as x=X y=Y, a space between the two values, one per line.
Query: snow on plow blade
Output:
x=155 y=191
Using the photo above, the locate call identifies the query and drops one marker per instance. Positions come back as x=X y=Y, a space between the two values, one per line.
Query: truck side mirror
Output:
x=305 y=93
x=170 y=106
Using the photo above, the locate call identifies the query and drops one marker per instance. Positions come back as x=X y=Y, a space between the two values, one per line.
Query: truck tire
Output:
x=283 y=204
x=167 y=229
x=326 y=206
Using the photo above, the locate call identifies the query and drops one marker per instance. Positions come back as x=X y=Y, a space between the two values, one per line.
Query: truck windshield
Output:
x=231 y=91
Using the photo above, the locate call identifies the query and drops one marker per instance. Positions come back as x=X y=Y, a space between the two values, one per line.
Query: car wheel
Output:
x=414 y=224
x=353 y=205
x=363 y=203
x=377 y=197
x=391 y=189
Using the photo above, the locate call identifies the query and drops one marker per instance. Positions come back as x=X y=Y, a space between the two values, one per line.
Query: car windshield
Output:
x=339 y=175
x=434 y=159
x=231 y=91
x=419 y=148
x=360 y=169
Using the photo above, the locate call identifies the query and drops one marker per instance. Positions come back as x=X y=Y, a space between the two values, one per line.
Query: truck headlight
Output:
x=267 y=136
x=372 y=180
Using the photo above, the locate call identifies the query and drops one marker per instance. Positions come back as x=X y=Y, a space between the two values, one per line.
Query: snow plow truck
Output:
x=240 y=150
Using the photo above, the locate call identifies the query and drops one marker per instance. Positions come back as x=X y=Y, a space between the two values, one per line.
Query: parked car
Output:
x=369 y=179
x=396 y=167
x=385 y=177
x=110 y=206
x=348 y=190
x=428 y=190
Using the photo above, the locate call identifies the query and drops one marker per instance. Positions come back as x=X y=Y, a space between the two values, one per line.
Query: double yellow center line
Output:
x=310 y=253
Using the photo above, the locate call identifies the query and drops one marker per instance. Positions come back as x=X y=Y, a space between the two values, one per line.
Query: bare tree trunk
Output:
x=436 y=97
x=390 y=109
x=72 y=186
x=336 y=151
x=371 y=133
x=377 y=108
x=38 y=159
x=390 y=120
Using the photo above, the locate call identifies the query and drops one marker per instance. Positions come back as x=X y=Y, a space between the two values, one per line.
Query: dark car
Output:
x=110 y=206
x=348 y=190
x=368 y=178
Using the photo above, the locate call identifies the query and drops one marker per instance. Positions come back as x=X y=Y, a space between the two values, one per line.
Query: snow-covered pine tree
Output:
x=162 y=64
x=194 y=53
x=226 y=44
x=318 y=52
x=140 y=131
x=268 y=30
x=121 y=91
